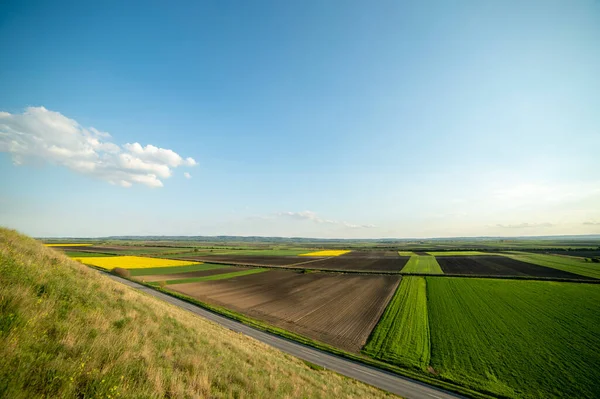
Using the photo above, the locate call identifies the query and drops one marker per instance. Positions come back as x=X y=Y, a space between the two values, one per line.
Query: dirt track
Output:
x=340 y=310
x=498 y=266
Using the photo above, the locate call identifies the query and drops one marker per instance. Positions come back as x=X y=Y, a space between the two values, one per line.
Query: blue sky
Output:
x=302 y=118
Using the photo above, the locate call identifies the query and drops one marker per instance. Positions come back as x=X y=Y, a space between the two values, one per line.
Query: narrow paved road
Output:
x=379 y=378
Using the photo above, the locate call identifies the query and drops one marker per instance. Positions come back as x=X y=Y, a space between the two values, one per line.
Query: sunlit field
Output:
x=132 y=262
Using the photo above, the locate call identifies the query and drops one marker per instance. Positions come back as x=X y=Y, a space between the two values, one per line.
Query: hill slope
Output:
x=68 y=331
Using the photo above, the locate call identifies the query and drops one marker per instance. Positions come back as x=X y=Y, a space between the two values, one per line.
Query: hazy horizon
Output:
x=300 y=119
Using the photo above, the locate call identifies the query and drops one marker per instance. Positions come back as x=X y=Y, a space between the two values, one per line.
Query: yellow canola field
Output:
x=132 y=262
x=68 y=245
x=330 y=252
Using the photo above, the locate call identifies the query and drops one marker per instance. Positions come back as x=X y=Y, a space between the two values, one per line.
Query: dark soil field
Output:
x=498 y=266
x=372 y=264
x=200 y=273
x=340 y=310
x=371 y=254
x=252 y=260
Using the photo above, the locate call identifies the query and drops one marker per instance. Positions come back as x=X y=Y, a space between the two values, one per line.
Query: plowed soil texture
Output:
x=499 y=266
x=371 y=254
x=252 y=260
x=370 y=264
x=200 y=273
x=340 y=310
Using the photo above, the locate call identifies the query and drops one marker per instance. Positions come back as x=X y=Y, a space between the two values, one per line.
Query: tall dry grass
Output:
x=67 y=331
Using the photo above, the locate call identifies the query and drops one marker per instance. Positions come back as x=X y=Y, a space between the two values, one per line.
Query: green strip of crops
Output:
x=406 y=253
x=422 y=264
x=216 y=276
x=573 y=265
x=459 y=253
x=402 y=335
x=75 y=254
x=175 y=269
x=521 y=339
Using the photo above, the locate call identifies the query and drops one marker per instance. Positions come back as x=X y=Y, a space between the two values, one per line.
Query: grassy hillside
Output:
x=67 y=331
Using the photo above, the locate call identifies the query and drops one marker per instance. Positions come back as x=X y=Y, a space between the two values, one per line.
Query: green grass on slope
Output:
x=175 y=269
x=522 y=339
x=214 y=277
x=402 y=335
x=422 y=264
x=67 y=331
x=573 y=265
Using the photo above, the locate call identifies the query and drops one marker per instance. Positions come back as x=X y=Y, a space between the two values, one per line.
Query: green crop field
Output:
x=422 y=264
x=567 y=264
x=402 y=335
x=525 y=339
x=214 y=277
x=406 y=253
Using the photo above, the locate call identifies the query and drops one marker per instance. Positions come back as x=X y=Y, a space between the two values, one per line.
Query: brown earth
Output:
x=498 y=266
x=199 y=273
x=370 y=254
x=340 y=310
x=368 y=263
x=253 y=260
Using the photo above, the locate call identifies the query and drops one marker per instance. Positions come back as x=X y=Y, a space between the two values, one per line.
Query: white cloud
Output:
x=42 y=135
x=591 y=223
x=187 y=175
x=312 y=216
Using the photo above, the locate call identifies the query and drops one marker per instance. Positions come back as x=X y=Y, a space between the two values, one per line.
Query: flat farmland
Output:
x=402 y=335
x=425 y=264
x=200 y=273
x=340 y=310
x=251 y=260
x=372 y=263
x=498 y=266
x=581 y=253
x=518 y=339
x=564 y=263
x=371 y=254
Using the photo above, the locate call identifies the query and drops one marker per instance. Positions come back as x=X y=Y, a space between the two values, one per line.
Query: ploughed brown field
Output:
x=372 y=263
x=200 y=273
x=251 y=259
x=337 y=309
x=371 y=254
x=498 y=266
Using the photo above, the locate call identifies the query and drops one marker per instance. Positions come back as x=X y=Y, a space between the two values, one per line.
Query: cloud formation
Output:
x=524 y=225
x=591 y=223
x=42 y=135
x=312 y=216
